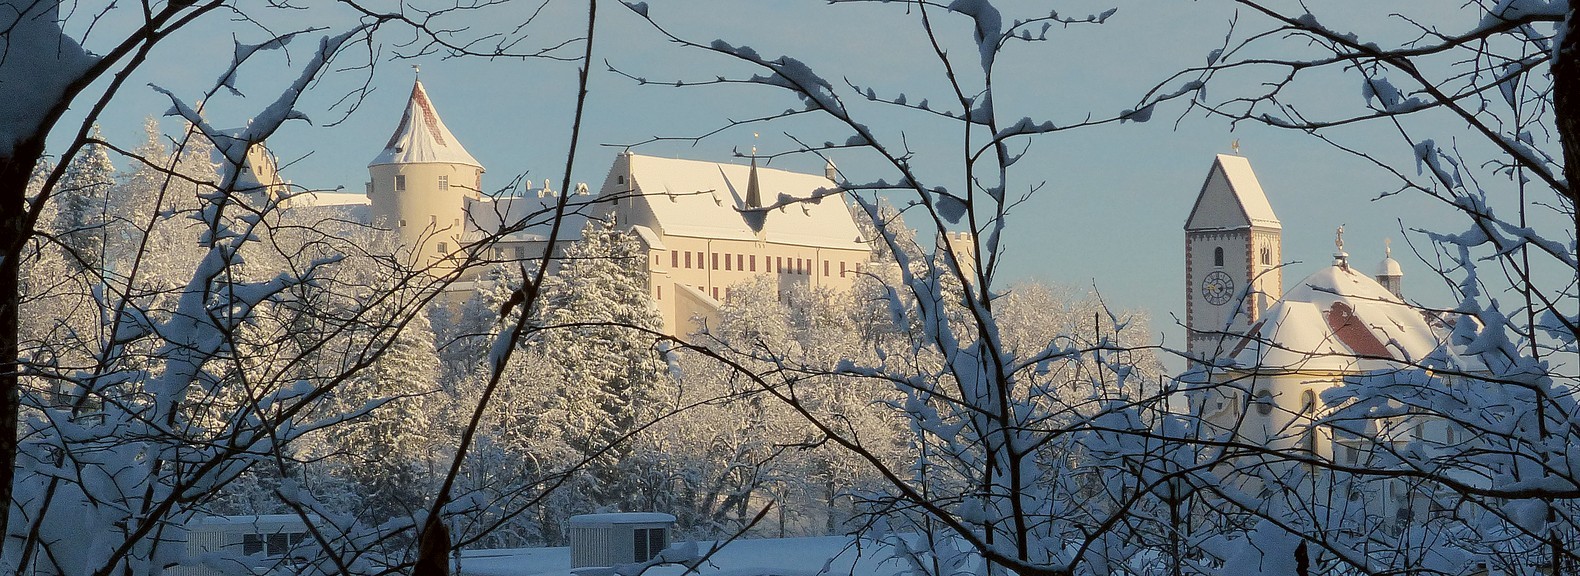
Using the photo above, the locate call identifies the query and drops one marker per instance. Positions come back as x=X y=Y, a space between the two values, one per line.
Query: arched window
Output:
x=1217 y=256
x=1267 y=256
x=1264 y=402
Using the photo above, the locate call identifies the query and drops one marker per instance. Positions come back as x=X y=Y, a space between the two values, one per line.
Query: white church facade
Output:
x=1264 y=355
x=705 y=226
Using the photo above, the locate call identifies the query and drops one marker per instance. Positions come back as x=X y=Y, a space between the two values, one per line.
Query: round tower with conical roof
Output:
x=420 y=183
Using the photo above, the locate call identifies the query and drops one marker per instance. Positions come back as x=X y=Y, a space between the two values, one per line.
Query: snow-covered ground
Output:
x=832 y=555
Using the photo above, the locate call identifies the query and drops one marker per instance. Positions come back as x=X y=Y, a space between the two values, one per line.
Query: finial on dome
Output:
x=416 y=70
x=1340 y=258
x=1387 y=247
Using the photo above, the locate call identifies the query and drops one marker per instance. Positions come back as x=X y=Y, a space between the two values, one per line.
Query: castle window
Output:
x=674 y=258
x=688 y=258
x=1267 y=256
x=457 y=223
x=753 y=260
x=521 y=253
x=780 y=264
x=715 y=260
x=619 y=179
x=726 y=261
x=433 y=220
x=479 y=184
x=842 y=269
x=400 y=182
x=739 y=258
x=660 y=290
x=1264 y=402
x=444 y=182
x=701 y=263
x=444 y=247
x=825 y=268
x=1217 y=256
x=403 y=222
x=715 y=292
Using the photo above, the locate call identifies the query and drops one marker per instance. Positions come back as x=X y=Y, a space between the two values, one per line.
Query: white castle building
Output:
x=705 y=225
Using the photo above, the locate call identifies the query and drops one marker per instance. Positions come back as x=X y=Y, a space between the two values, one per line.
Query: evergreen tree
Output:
x=83 y=197
x=600 y=323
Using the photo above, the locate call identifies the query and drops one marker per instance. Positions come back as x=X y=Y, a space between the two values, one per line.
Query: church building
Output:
x=1263 y=356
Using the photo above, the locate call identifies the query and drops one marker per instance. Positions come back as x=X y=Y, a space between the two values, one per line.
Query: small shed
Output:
x=622 y=538
x=243 y=542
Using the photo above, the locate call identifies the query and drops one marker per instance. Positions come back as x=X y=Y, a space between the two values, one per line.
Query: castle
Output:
x=705 y=226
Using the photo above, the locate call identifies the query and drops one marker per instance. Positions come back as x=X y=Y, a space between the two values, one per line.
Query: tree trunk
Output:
x=16 y=170
x=1566 y=108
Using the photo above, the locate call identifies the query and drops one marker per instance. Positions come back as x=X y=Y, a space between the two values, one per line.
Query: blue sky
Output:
x=1112 y=202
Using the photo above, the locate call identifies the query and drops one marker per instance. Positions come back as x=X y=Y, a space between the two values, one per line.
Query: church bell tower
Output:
x=1232 y=241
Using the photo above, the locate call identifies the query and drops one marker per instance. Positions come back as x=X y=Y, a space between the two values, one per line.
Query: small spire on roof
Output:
x=416 y=70
x=1340 y=258
x=754 y=194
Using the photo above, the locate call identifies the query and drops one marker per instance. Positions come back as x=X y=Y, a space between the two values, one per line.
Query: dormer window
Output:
x=444 y=182
x=400 y=182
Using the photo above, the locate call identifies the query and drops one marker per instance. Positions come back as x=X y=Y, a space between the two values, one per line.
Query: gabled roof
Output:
x=1231 y=198
x=710 y=200
x=422 y=137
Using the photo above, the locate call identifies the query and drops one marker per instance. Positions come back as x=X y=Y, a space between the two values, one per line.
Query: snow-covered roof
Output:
x=535 y=209
x=743 y=557
x=1231 y=198
x=422 y=137
x=709 y=200
x=622 y=518
x=1338 y=319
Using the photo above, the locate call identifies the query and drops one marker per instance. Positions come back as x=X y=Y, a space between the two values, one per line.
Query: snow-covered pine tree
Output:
x=600 y=326
x=83 y=195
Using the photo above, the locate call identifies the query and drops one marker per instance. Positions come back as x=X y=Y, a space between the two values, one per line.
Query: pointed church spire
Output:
x=422 y=137
x=754 y=195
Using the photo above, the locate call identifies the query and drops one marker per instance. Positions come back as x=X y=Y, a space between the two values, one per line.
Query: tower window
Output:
x=444 y=182
x=400 y=182
x=433 y=220
x=674 y=258
x=402 y=222
x=1217 y=256
x=444 y=248
x=1267 y=256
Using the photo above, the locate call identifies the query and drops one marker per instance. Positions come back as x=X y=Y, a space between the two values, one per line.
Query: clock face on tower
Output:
x=1217 y=288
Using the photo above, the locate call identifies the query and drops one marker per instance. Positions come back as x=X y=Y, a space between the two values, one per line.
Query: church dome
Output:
x=1389 y=267
x=1338 y=319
